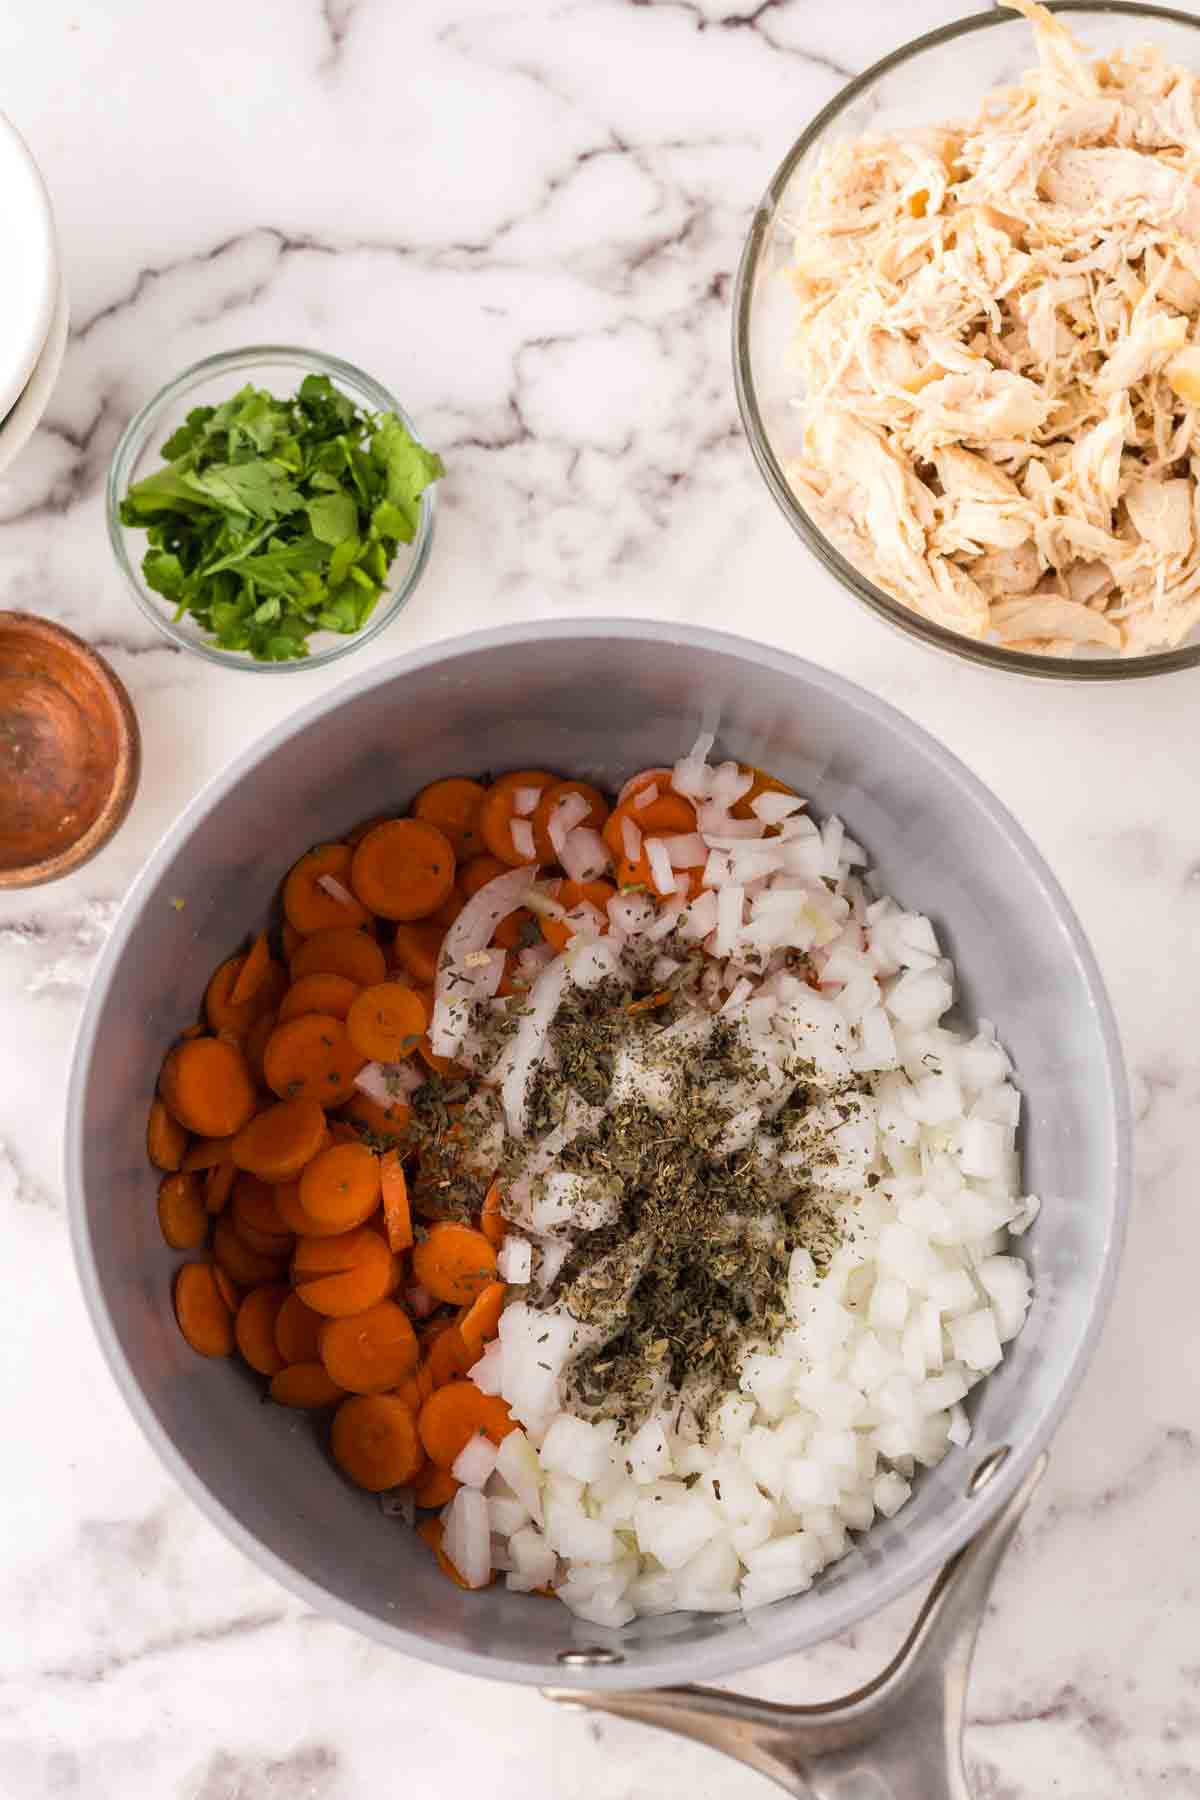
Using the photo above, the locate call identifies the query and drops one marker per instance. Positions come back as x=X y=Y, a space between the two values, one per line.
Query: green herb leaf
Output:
x=333 y=518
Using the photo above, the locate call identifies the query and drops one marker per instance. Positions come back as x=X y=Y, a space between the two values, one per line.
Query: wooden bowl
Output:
x=70 y=751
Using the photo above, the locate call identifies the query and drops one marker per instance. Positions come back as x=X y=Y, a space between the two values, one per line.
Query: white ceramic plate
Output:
x=29 y=287
x=25 y=416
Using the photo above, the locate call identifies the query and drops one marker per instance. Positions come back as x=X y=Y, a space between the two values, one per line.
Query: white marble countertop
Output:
x=524 y=218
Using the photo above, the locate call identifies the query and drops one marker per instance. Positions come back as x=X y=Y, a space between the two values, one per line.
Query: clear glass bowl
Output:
x=207 y=383
x=943 y=75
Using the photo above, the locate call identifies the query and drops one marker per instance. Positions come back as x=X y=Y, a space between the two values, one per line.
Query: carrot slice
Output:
x=287 y=1204
x=596 y=816
x=305 y=1385
x=181 y=1213
x=245 y=1266
x=448 y=1358
x=345 y=1274
x=204 y=1319
x=453 y=1415
x=298 y=1331
x=386 y=1023
x=436 y=1488
x=254 y=1328
x=252 y=973
x=218 y=1185
x=404 y=869
x=254 y=1044
x=256 y=1218
x=482 y=1319
x=415 y=949
x=312 y=1058
x=386 y=1122
x=375 y=1442
x=311 y=907
x=574 y=893
x=397 y=1214
x=219 y=1007
x=280 y=1140
x=669 y=815
x=227 y=1289
x=478 y=872
x=455 y=1262
x=323 y=993
x=491 y=1220
x=340 y=1186
x=445 y=1066
x=498 y=812
x=453 y=805
x=340 y=951
x=206 y=1153
x=207 y=1087
x=166 y=1140
x=372 y=1351
x=450 y=908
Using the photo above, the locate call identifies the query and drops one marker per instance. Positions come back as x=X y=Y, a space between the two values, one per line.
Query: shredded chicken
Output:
x=999 y=345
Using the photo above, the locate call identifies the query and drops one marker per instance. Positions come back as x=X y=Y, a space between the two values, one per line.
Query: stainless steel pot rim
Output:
x=716 y=1658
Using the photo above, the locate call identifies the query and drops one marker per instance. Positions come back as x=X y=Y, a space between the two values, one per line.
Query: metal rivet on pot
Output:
x=991 y=1465
x=590 y=1658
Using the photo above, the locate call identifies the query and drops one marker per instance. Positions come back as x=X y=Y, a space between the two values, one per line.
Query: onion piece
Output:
x=687 y=851
x=773 y=808
x=385 y=1083
x=571 y=810
x=729 y=918
x=525 y=801
x=631 y=913
x=468 y=1537
x=631 y=840
x=514 y=1263
x=520 y=1055
x=585 y=854
x=471 y=932
x=336 y=891
x=521 y=832
x=661 y=873
x=645 y=797
x=661 y=777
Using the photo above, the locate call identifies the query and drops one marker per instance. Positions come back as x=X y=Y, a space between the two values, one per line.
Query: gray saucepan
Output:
x=600 y=698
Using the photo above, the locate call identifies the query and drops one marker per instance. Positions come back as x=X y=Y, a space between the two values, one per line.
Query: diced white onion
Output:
x=514 y=1261
x=467 y=1538
x=475 y=1462
x=631 y=840
x=660 y=866
x=522 y=839
x=525 y=801
x=336 y=891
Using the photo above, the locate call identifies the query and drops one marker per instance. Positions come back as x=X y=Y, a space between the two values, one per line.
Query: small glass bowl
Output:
x=943 y=75
x=207 y=383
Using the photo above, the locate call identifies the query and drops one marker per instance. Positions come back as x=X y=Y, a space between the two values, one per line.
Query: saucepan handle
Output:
x=897 y=1738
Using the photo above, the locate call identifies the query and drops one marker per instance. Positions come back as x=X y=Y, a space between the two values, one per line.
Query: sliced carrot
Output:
x=218 y=1185
x=386 y=1023
x=551 y=796
x=365 y=826
x=227 y=1289
x=247 y=1267
x=491 y=1220
x=450 y=908
x=669 y=815
x=287 y=1203
x=220 y=1009
x=181 y=1213
x=207 y=1087
x=572 y=894
x=390 y=1122
x=307 y=1386
x=518 y=929
x=254 y=1044
x=498 y=813
x=436 y=1489
x=763 y=784
x=340 y=1186
x=298 y=1331
x=324 y=993
x=403 y=870
x=312 y=1058
x=453 y=805
x=204 y=1319
x=649 y=1002
x=445 y=1066
x=280 y=1140
x=252 y=973
x=455 y=1262
x=371 y=1352
x=453 y=1415
x=525 y=778
x=482 y=1319
x=415 y=949
x=448 y=1358
x=206 y=1153
x=311 y=907
x=254 y=1328
x=341 y=950
x=478 y=872
x=166 y=1140
x=375 y=1442
x=397 y=1214
x=345 y=1274
x=257 y=1220
x=290 y=939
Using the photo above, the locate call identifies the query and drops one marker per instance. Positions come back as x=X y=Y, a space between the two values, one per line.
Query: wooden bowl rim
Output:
x=126 y=761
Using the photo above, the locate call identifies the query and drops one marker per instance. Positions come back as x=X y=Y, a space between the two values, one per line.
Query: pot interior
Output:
x=597 y=700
